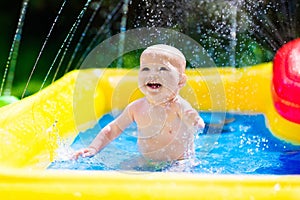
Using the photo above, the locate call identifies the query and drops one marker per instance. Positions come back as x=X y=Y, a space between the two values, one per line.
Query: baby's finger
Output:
x=81 y=152
x=75 y=156
x=87 y=154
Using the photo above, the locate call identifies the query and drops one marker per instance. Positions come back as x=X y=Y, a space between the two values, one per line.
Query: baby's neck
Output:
x=164 y=104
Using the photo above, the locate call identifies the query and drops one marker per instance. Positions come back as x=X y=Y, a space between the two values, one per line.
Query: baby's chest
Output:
x=156 y=118
x=164 y=125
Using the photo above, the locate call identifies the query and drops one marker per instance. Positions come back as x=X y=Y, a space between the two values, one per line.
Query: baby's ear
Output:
x=182 y=80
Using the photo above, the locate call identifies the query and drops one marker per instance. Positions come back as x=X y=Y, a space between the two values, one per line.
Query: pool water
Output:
x=243 y=145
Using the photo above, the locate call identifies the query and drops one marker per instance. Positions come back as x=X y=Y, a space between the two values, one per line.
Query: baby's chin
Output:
x=158 y=96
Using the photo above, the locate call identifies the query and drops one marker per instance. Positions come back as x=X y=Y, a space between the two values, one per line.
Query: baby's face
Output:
x=158 y=79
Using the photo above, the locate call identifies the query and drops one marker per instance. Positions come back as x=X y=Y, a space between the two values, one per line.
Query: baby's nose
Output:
x=154 y=74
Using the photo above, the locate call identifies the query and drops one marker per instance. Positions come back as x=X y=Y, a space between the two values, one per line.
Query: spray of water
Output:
x=42 y=49
x=13 y=54
x=235 y=33
x=86 y=29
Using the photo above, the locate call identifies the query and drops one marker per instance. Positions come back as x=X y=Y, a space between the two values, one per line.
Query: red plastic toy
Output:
x=286 y=81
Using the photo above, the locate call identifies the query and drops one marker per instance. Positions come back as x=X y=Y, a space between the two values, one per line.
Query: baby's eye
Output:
x=145 y=69
x=163 y=69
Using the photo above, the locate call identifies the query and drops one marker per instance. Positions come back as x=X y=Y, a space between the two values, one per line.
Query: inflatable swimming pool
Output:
x=28 y=141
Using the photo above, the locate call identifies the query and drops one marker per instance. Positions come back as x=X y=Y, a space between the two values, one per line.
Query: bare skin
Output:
x=166 y=122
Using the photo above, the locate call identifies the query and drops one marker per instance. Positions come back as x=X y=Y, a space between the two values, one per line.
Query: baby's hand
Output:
x=192 y=118
x=86 y=152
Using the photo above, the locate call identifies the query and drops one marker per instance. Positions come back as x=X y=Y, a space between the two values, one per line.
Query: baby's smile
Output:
x=153 y=85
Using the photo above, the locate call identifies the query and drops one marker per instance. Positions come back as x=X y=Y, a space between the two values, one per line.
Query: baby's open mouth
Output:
x=153 y=85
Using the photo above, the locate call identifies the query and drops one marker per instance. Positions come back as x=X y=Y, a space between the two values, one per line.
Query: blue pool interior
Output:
x=243 y=145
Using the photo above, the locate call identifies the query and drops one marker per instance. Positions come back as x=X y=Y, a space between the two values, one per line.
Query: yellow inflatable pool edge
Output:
x=62 y=184
x=31 y=130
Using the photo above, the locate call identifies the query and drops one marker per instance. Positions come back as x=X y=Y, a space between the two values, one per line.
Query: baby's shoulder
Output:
x=182 y=103
x=137 y=104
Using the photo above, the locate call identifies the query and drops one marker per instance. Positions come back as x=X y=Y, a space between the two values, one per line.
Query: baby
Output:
x=166 y=122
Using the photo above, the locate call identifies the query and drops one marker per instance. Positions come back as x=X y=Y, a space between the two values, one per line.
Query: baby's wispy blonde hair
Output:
x=170 y=53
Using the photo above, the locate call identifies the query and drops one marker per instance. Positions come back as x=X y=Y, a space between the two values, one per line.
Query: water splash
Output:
x=59 y=149
x=54 y=139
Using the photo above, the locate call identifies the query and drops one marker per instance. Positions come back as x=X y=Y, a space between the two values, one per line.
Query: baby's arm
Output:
x=190 y=116
x=106 y=135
